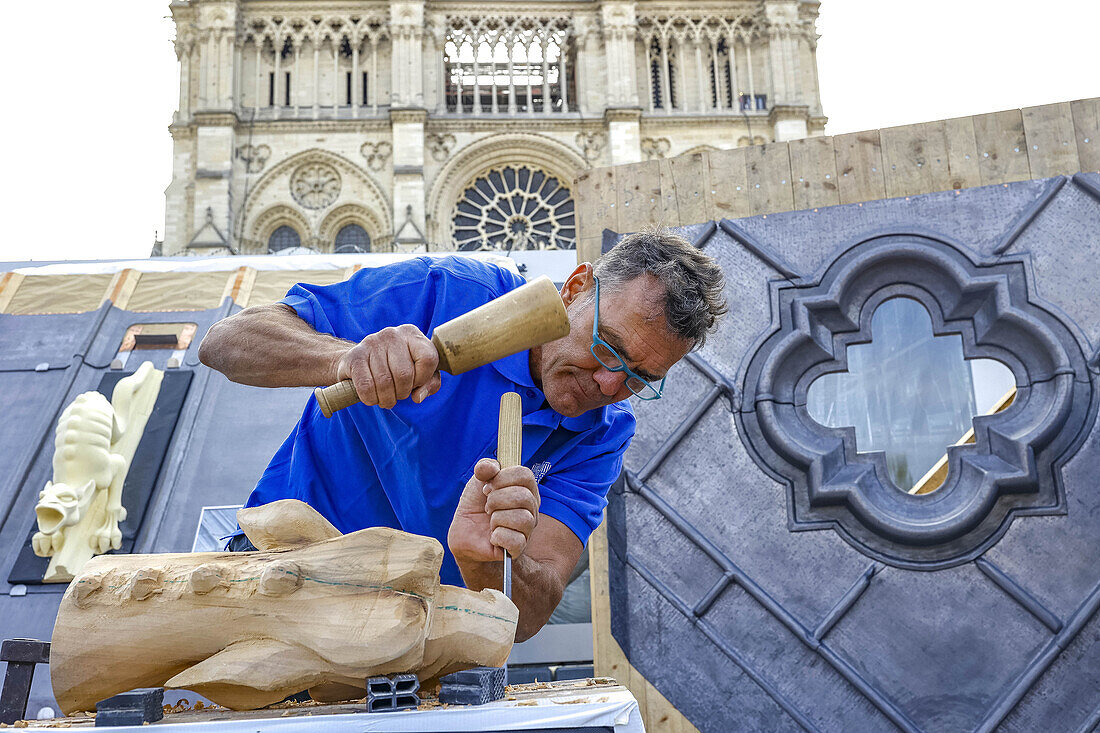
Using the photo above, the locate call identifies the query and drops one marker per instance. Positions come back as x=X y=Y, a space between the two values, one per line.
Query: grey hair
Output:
x=693 y=282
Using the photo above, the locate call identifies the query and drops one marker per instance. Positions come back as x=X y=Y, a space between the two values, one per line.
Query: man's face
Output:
x=632 y=320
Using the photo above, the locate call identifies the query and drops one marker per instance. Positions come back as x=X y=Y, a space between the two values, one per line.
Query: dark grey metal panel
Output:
x=27 y=341
x=230 y=442
x=732 y=580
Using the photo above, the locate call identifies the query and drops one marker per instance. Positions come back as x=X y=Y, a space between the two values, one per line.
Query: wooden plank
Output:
x=1051 y=145
x=729 y=184
x=607 y=657
x=1086 y=129
x=1002 y=147
x=589 y=249
x=689 y=178
x=658 y=714
x=962 y=153
x=914 y=159
x=670 y=212
x=584 y=191
x=813 y=170
x=639 y=196
x=238 y=286
x=769 y=172
x=9 y=284
x=859 y=167
x=598 y=210
x=121 y=287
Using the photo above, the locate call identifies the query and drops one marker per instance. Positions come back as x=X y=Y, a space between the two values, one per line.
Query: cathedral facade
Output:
x=425 y=125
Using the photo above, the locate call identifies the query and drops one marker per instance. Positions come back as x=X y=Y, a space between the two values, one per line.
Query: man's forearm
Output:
x=270 y=346
x=536 y=589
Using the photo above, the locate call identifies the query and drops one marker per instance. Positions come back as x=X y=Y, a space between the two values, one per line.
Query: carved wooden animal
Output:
x=312 y=609
x=80 y=509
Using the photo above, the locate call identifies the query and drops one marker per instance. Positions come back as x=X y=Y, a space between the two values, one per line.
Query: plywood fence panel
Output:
x=962 y=153
x=769 y=170
x=914 y=159
x=813 y=172
x=595 y=209
x=1086 y=128
x=859 y=165
x=670 y=209
x=1051 y=144
x=729 y=184
x=639 y=198
x=689 y=179
x=1002 y=147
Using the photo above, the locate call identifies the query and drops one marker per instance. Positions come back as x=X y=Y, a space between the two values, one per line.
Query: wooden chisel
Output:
x=509 y=453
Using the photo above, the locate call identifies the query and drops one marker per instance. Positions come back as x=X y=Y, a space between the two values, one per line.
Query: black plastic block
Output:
x=388 y=694
x=574 y=672
x=135 y=707
x=21 y=656
x=475 y=686
x=529 y=674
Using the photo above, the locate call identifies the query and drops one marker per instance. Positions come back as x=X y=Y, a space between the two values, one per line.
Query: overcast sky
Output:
x=90 y=93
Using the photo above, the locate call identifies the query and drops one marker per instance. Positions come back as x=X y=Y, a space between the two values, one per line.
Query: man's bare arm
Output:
x=270 y=346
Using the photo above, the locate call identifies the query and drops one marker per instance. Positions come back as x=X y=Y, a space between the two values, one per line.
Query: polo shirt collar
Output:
x=516 y=368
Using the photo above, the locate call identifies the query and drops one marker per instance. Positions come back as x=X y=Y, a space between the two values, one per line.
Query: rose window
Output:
x=515 y=207
x=315 y=185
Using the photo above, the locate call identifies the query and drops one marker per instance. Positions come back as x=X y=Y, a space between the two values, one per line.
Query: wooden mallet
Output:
x=530 y=315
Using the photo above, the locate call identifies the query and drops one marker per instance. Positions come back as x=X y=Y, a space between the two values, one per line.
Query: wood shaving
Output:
x=576 y=701
x=528 y=702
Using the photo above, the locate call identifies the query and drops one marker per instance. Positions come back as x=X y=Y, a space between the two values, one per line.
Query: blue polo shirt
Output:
x=405 y=468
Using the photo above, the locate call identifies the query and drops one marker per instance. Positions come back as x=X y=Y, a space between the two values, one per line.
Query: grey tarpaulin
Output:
x=765 y=575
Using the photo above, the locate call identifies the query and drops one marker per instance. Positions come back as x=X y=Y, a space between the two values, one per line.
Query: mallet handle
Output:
x=528 y=316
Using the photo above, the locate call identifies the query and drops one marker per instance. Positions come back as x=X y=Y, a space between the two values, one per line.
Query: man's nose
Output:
x=610 y=382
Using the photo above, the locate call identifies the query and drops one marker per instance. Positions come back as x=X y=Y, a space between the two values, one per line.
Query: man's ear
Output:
x=578 y=283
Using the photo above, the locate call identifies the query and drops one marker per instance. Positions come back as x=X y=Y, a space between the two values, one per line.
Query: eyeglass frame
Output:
x=597 y=341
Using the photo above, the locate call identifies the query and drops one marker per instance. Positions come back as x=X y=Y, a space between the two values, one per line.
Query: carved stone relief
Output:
x=440 y=145
x=254 y=156
x=315 y=185
x=655 y=147
x=591 y=145
x=376 y=154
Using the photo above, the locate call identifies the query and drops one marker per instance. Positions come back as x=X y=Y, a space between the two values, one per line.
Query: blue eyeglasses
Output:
x=612 y=362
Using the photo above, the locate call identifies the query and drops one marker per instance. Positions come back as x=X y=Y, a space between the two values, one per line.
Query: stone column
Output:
x=619 y=33
x=183 y=48
x=356 y=86
x=407 y=57
x=214 y=142
x=408 y=167
x=624 y=134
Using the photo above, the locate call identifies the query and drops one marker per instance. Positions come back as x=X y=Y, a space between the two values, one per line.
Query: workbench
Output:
x=594 y=705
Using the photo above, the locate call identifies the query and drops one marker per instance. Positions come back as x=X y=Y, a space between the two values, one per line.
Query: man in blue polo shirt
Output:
x=417 y=455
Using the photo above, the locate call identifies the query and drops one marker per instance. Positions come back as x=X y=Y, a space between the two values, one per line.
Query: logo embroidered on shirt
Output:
x=540 y=469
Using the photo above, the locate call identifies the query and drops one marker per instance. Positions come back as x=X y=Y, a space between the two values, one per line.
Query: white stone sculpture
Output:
x=80 y=509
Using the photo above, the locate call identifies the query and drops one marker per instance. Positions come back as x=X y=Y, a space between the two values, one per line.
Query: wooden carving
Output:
x=312 y=609
x=80 y=509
